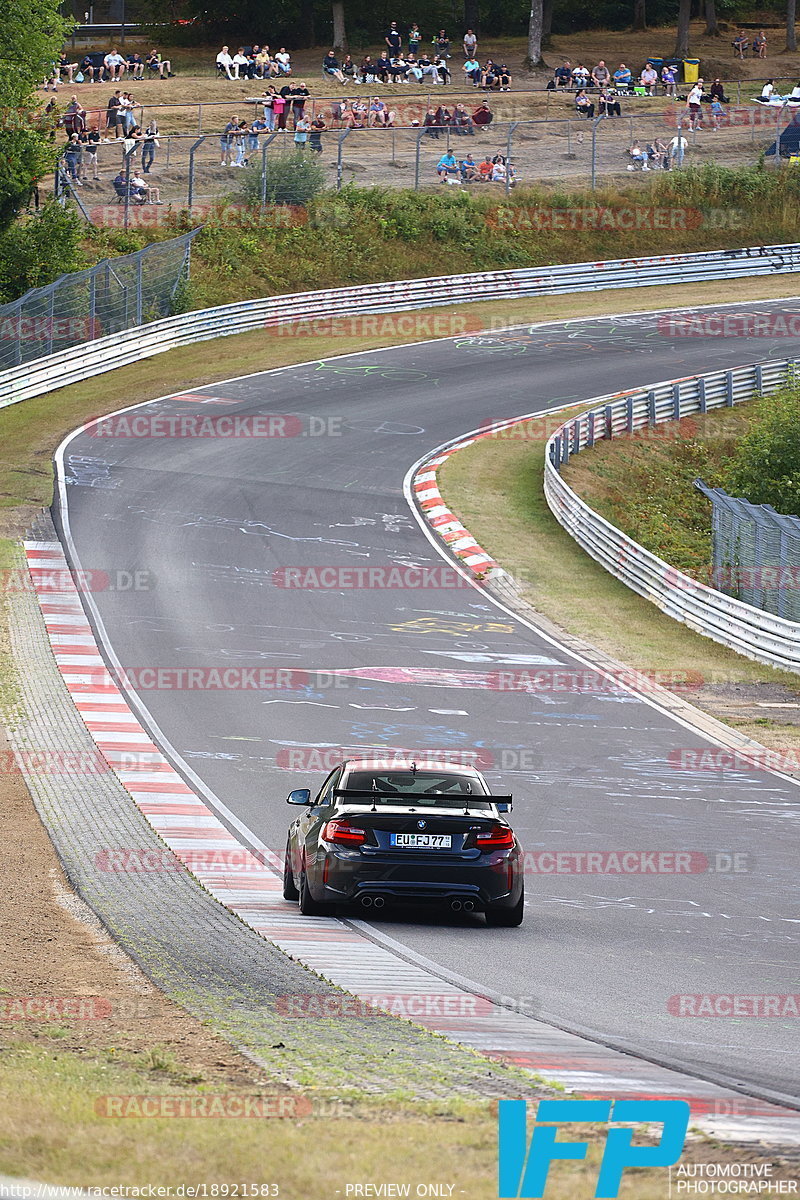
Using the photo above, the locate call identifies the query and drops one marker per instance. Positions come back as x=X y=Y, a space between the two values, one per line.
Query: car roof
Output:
x=391 y=763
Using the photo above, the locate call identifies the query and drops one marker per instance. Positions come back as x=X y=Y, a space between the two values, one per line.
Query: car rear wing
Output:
x=502 y=803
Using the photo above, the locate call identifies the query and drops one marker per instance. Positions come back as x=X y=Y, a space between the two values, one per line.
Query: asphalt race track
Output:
x=213 y=520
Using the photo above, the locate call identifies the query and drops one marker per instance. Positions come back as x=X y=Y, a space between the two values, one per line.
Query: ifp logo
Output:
x=523 y=1168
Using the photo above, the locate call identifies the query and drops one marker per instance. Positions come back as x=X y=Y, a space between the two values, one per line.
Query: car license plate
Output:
x=422 y=841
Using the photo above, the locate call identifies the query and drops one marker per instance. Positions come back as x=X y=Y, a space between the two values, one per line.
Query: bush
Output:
x=293 y=177
x=37 y=250
x=765 y=468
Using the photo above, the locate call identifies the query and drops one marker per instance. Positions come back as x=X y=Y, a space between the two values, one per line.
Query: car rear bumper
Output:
x=349 y=879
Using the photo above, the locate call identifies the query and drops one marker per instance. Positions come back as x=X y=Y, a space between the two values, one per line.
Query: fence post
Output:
x=92 y=304
x=139 y=282
x=511 y=129
x=192 y=149
x=127 y=160
x=595 y=124
x=778 y=134
x=416 y=159
x=342 y=136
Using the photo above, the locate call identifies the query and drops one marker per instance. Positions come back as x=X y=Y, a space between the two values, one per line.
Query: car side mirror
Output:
x=299 y=796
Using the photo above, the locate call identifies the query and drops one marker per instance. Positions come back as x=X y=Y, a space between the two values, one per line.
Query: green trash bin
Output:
x=691 y=70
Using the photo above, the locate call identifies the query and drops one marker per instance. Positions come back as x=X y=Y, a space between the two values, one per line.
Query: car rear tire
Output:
x=290 y=891
x=310 y=907
x=507 y=918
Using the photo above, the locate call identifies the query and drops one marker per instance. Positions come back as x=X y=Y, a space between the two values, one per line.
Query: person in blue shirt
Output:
x=447 y=165
x=622 y=76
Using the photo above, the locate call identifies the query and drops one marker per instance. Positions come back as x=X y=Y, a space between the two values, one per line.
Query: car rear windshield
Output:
x=434 y=788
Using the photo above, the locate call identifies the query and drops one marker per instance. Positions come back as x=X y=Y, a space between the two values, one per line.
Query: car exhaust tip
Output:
x=455 y=905
x=378 y=902
x=469 y=906
x=366 y=901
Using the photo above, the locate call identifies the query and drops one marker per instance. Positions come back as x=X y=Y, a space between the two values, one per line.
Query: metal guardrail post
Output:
x=192 y=150
x=595 y=124
x=342 y=136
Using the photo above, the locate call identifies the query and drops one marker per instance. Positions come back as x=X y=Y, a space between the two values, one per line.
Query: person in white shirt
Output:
x=693 y=106
x=115 y=65
x=225 y=61
x=768 y=90
x=677 y=149
x=239 y=63
x=152 y=194
x=648 y=78
x=283 y=59
x=470 y=44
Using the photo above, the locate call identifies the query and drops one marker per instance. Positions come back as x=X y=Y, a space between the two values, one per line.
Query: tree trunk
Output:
x=472 y=17
x=639 y=14
x=682 y=41
x=534 y=56
x=791 y=32
x=712 y=27
x=339 y=34
x=547 y=21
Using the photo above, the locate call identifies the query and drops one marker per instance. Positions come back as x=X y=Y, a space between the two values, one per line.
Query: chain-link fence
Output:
x=756 y=553
x=187 y=171
x=111 y=296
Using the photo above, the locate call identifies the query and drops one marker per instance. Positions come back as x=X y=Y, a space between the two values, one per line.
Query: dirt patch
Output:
x=55 y=950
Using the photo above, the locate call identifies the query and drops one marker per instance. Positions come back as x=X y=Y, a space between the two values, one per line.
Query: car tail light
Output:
x=342 y=833
x=497 y=838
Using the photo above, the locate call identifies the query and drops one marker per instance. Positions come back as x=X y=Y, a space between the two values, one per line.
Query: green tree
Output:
x=766 y=466
x=31 y=36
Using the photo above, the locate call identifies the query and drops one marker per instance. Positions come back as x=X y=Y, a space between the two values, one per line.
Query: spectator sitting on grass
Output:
x=490 y=77
x=648 y=78
x=717 y=92
x=485 y=169
x=442 y=70
x=583 y=105
x=330 y=65
x=622 y=77
x=430 y=124
x=498 y=169
x=470 y=44
x=462 y=121
x=383 y=67
x=447 y=167
x=768 y=89
x=658 y=153
x=398 y=69
x=504 y=76
x=413 y=69
x=469 y=169
x=472 y=70
x=608 y=106
x=349 y=69
x=379 y=112
x=367 y=69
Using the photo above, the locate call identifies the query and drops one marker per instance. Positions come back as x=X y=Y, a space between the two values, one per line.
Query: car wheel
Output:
x=290 y=891
x=507 y=918
x=310 y=907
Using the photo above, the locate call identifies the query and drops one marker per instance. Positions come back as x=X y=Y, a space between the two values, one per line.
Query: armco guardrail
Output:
x=750 y=631
x=105 y=354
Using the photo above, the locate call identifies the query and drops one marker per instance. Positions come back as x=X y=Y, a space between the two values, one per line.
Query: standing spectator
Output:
x=470 y=44
x=442 y=44
x=241 y=137
x=136 y=66
x=601 y=75
x=126 y=116
x=258 y=127
x=75 y=117
x=414 y=39
x=668 y=78
x=648 y=78
x=225 y=63
x=693 y=106
x=677 y=149
x=301 y=129
x=283 y=61
x=149 y=145
x=267 y=102
x=155 y=62
x=280 y=104
x=315 y=135
x=115 y=65
x=73 y=158
x=299 y=94
x=90 y=141
x=226 y=142
x=393 y=40
x=717 y=113
x=111 y=113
